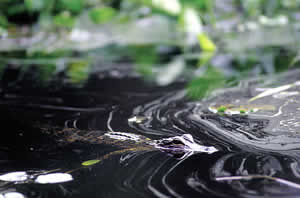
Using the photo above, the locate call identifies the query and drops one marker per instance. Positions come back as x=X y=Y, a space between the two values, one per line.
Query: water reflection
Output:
x=161 y=115
x=273 y=175
x=12 y=195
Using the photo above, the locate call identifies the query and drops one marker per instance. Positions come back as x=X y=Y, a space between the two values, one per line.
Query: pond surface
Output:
x=116 y=100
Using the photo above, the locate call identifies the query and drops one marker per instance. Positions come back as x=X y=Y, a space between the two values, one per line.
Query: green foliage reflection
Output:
x=258 y=36
x=203 y=85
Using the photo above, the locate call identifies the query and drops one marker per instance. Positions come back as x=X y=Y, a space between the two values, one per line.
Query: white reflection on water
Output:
x=41 y=178
x=12 y=195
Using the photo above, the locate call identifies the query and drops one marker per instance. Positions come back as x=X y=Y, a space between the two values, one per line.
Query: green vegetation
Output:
x=102 y=15
x=222 y=109
x=207 y=82
x=242 y=111
x=211 y=43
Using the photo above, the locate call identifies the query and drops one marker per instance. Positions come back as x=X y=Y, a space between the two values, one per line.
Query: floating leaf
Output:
x=90 y=162
x=53 y=178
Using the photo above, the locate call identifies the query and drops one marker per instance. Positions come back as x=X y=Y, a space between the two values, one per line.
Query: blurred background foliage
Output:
x=210 y=43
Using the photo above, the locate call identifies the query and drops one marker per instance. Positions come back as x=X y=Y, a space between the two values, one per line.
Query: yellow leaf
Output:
x=90 y=162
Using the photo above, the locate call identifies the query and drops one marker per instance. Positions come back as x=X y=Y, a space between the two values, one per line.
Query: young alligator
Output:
x=179 y=146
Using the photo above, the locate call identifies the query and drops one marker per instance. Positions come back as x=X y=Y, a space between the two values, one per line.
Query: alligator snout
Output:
x=182 y=145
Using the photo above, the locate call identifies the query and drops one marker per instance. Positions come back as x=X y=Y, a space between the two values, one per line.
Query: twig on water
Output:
x=247 y=177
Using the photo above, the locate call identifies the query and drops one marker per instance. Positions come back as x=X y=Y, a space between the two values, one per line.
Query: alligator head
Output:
x=182 y=146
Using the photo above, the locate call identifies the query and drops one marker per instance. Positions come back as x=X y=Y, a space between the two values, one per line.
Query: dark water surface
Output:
x=106 y=102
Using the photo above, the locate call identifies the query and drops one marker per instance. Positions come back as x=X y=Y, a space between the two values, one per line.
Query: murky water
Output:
x=105 y=103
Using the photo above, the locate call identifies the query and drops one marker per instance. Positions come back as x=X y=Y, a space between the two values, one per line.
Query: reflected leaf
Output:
x=78 y=71
x=90 y=162
x=192 y=22
x=170 y=72
x=34 y=5
x=273 y=91
x=53 y=178
x=86 y=35
x=170 y=6
x=3 y=32
x=102 y=15
x=203 y=85
x=150 y=30
x=22 y=176
x=14 y=176
x=64 y=19
x=206 y=56
x=72 y=5
x=262 y=37
x=206 y=43
x=3 y=21
x=2 y=68
x=12 y=195
x=46 y=72
x=295 y=60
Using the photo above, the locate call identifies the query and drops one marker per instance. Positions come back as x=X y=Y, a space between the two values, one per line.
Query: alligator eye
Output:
x=173 y=142
x=176 y=142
